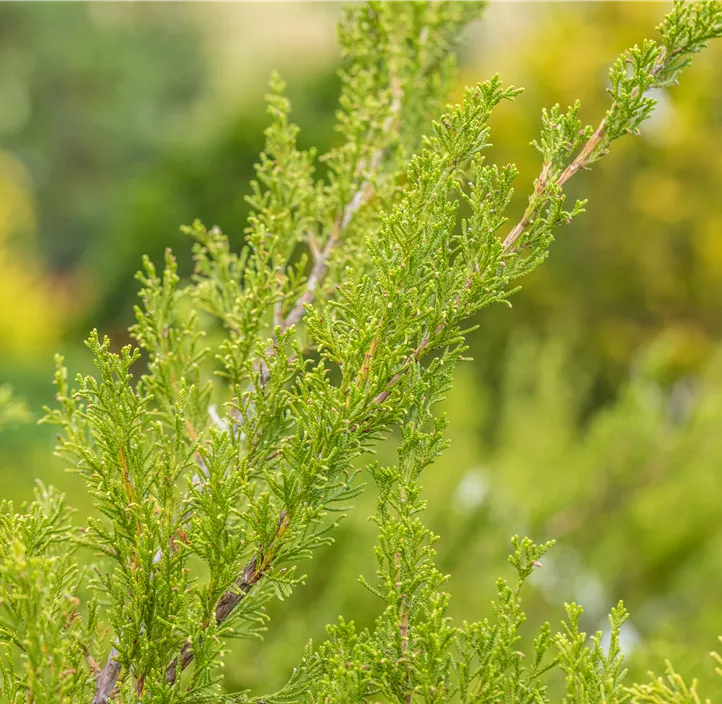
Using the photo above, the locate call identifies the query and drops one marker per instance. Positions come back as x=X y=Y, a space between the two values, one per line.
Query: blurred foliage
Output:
x=90 y=96
x=90 y=93
x=29 y=322
x=12 y=409
x=578 y=429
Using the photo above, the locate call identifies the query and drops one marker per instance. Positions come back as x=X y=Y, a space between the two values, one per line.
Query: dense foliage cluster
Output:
x=272 y=373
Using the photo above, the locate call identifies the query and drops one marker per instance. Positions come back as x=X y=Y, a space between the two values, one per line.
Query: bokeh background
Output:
x=593 y=410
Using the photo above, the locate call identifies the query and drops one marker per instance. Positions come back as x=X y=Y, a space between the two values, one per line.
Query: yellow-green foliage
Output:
x=218 y=451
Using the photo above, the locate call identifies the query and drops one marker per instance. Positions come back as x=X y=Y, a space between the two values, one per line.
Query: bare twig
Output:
x=318 y=273
x=91 y=661
x=107 y=678
x=582 y=159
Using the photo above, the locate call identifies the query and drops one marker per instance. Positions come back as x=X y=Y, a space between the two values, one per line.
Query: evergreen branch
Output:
x=686 y=30
x=251 y=575
x=248 y=493
x=462 y=146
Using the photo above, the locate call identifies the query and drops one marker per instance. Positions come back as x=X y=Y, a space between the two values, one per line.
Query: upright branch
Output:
x=266 y=290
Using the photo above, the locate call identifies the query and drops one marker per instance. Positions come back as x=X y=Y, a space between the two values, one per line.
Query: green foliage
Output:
x=44 y=642
x=592 y=675
x=669 y=690
x=343 y=316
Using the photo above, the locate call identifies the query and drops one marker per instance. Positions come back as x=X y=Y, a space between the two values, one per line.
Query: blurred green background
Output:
x=593 y=410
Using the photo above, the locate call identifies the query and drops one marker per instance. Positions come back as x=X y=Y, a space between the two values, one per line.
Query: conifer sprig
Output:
x=653 y=65
x=343 y=316
x=263 y=288
x=45 y=645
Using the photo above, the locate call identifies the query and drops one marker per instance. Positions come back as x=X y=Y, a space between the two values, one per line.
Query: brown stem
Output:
x=225 y=606
x=107 y=678
x=91 y=661
x=582 y=159
x=318 y=273
x=580 y=162
x=251 y=574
